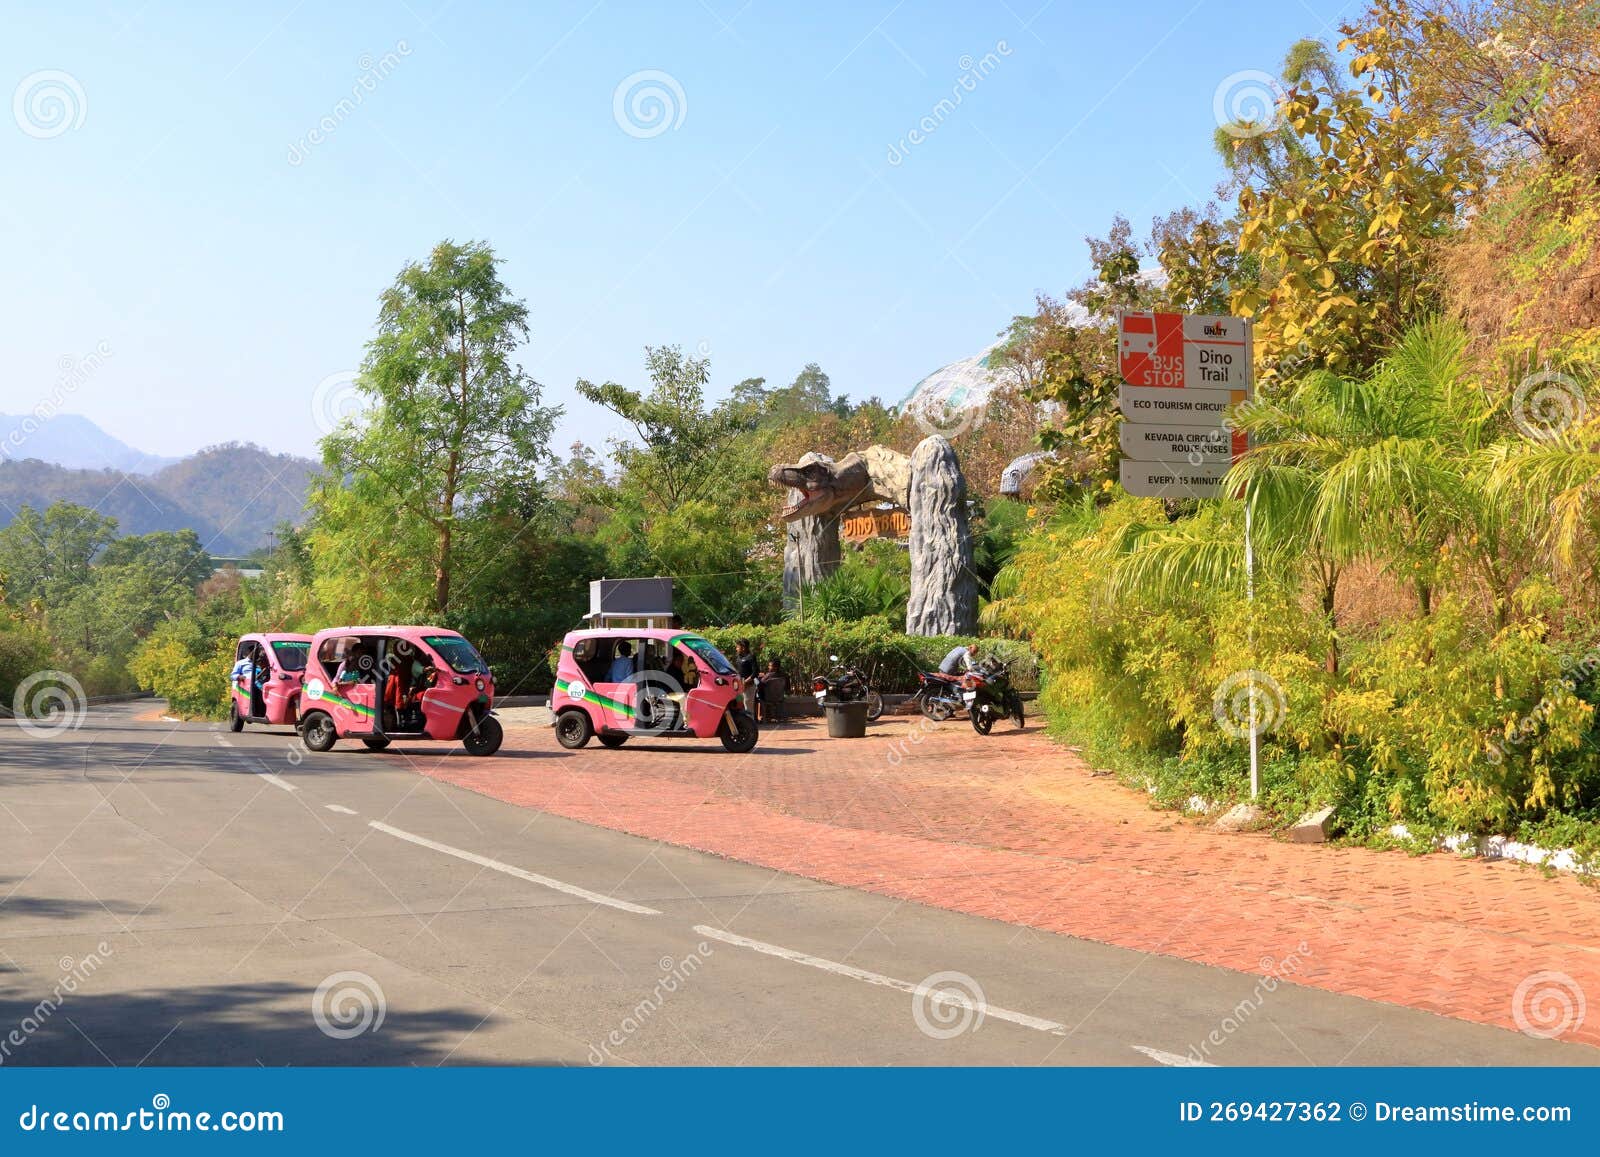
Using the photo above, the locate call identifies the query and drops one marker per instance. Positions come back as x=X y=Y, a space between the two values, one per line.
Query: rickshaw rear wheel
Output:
x=235 y=721
x=573 y=729
x=612 y=740
x=484 y=736
x=318 y=732
x=739 y=731
x=376 y=742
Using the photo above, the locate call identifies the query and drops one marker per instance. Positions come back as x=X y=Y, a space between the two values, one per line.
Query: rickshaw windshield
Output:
x=715 y=659
x=459 y=653
x=291 y=654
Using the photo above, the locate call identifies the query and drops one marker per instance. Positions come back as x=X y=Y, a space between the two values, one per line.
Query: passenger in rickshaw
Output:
x=621 y=663
x=355 y=663
x=260 y=675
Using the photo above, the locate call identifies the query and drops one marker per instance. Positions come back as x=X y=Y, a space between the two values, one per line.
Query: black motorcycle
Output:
x=847 y=684
x=938 y=695
x=990 y=696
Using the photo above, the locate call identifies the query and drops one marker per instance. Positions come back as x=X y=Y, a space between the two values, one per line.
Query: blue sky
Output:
x=181 y=221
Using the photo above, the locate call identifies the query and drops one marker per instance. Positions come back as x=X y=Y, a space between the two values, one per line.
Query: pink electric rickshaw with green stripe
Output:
x=618 y=683
x=380 y=684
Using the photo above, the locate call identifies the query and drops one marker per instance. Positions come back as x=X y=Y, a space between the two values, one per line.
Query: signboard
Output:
x=1168 y=406
x=1177 y=444
x=1182 y=374
x=865 y=524
x=1174 y=350
x=1174 y=480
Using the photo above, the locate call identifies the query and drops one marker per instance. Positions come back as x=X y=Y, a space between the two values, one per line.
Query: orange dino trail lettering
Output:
x=875 y=524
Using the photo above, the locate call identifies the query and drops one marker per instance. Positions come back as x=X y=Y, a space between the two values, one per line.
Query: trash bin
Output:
x=846 y=720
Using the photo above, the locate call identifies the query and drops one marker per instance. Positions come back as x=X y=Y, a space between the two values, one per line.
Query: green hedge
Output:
x=877 y=645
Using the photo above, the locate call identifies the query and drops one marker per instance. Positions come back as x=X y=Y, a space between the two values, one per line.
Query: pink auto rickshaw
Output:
x=264 y=686
x=379 y=684
x=616 y=683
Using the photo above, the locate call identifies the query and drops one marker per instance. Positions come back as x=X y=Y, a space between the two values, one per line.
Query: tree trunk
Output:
x=1330 y=588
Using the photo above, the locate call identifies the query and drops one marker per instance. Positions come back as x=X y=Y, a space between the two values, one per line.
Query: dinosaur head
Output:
x=819 y=486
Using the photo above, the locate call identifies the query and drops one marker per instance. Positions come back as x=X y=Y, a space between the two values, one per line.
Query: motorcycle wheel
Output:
x=982 y=720
x=1016 y=711
x=874 y=706
x=937 y=710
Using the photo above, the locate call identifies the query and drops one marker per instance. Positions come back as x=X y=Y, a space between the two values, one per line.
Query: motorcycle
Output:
x=847 y=684
x=939 y=695
x=989 y=696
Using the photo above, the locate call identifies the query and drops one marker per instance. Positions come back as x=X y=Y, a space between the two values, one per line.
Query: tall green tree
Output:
x=452 y=420
x=682 y=442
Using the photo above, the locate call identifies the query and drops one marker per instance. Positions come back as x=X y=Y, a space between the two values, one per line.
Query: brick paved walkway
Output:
x=1015 y=828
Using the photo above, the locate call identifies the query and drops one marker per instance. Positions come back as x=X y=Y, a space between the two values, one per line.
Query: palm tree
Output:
x=1393 y=466
x=1552 y=472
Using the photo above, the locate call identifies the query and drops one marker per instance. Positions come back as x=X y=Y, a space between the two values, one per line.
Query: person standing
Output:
x=744 y=659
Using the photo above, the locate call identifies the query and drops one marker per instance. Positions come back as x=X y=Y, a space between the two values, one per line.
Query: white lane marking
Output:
x=939 y=996
x=513 y=870
x=341 y=809
x=277 y=781
x=1172 y=1059
x=224 y=742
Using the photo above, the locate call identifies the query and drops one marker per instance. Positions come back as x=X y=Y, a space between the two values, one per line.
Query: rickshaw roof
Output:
x=666 y=633
x=275 y=637
x=402 y=632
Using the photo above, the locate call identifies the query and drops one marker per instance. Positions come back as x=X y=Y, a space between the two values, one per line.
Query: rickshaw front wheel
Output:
x=612 y=740
x=235 y=721
x=484 y=736
x=739 y=731
x=318 y=732
x=376 y=742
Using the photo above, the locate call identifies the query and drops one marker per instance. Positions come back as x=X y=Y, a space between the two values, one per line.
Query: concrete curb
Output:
x=1502 y=848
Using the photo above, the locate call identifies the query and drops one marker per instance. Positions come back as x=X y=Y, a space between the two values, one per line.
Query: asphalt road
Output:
x=175 y=895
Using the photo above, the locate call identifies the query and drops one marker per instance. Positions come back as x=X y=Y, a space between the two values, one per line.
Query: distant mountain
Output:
x=231 y=495
x=73 y=441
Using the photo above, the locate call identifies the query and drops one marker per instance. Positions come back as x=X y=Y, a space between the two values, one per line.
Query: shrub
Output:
x=187 y=667
x=23 y=651
x=876 y=644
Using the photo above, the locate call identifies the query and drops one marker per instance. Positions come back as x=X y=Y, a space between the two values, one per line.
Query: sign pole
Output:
x=1250 y=598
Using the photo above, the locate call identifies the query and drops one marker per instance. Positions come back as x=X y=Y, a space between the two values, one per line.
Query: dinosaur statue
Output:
x=821 y=487
x=928 y=485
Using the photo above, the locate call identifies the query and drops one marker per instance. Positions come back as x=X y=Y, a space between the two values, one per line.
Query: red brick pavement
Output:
x=1016 y=828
